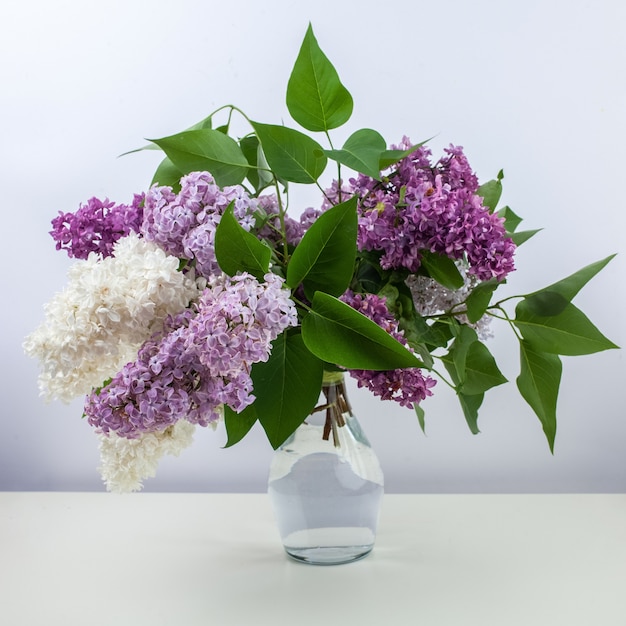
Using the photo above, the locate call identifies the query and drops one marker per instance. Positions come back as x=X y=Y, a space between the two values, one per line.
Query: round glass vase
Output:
x=326 y=484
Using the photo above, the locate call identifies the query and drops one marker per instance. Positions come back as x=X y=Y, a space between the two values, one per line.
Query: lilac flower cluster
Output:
x=405 y=386
x=127 y=462
x=431 y=207
x=199 y=362
x=96 y=226
x=184 y=224
x=109 y=307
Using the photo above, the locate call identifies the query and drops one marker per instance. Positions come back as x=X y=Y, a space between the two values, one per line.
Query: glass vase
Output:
x=326 y=484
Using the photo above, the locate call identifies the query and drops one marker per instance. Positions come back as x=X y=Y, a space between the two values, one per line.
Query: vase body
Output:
x=326 y=484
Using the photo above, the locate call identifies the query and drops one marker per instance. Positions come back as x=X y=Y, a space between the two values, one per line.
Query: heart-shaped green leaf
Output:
x=316 y=98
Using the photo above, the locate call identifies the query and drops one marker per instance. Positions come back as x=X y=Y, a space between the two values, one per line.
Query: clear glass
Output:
x=326 y=484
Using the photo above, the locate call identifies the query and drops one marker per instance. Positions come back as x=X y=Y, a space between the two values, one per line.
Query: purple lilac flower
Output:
x=199 y=362
x=184 y=224
x=308 y=217
x=96 y=226
x=432 y=207
x=148 y=394
x=165 y=221
x=405 y=386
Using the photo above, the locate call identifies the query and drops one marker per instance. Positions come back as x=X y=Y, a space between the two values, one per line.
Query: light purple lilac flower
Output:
x=184 y=224
x=406 y=386
x=96 y=226
x=199 y=362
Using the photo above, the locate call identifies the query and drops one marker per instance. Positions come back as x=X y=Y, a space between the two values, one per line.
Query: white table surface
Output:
x=187 y=559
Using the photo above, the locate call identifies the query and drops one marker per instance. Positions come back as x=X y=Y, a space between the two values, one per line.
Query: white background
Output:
x=534 y=87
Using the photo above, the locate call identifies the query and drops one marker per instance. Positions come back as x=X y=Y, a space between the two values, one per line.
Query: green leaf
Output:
x=438 y=335
x=237 y=250
x=206 y=150
x=324 y=259
x=399 y=301
x=442 y=269
x=238 y=425
x=538 y=383
x=553 y=299
x=292 y=155
x=523 y=236
x=361 y=152
x=481 y=372
x=456 y=358
x=259 y=178
x=470 y=405
x=464 y=363
x=511 y=222
x=491 y=192
x=479 y=299
x=568 y=333
x=337 y=333
x=511 y=219
x=369 y=275
x=167 y=175
x=286 y=387
x=205 y=123
x=421 y=416
x=391 y=157
x=316 y=98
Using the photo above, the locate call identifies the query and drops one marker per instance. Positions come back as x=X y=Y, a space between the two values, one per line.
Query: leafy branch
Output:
x=326 y=262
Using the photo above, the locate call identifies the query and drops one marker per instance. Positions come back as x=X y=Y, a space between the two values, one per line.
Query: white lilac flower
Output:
x=108 y=309
x=127 y=462
x=431 y=298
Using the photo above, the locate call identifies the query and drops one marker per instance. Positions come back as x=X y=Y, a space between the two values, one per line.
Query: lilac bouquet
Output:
x=204 y=301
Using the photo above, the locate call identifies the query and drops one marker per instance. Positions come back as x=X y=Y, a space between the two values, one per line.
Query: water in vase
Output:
x=327 y=503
